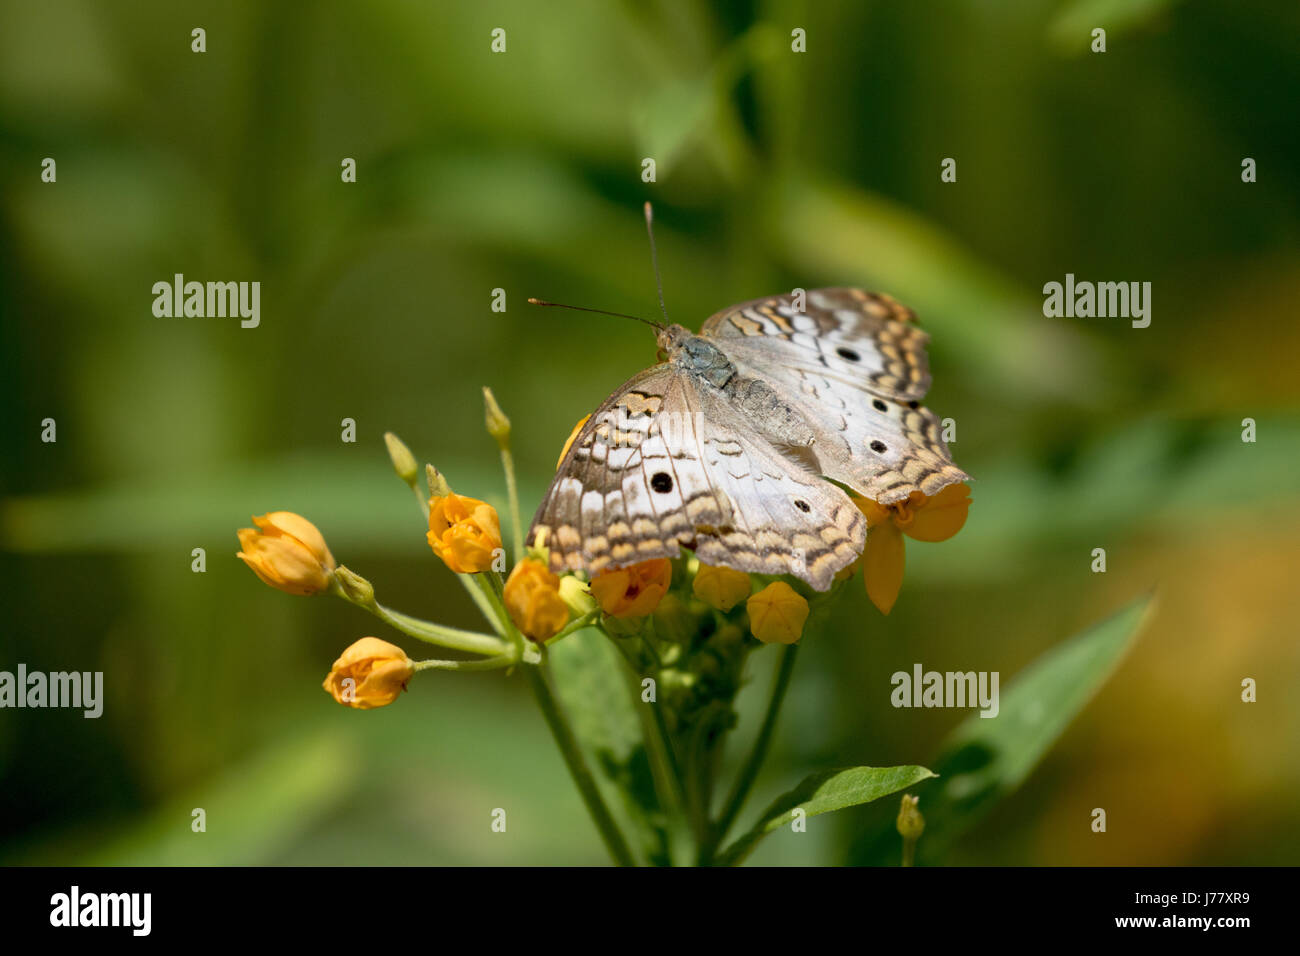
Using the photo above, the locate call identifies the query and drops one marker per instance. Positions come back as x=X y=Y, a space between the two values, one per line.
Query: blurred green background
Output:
x=521 y=171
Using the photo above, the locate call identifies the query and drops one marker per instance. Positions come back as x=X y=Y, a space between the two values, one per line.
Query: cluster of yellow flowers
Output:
x=288 y=552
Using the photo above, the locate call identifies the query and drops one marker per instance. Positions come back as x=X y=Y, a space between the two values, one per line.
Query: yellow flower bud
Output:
x=568 y=443
x=371 y=673
x=721 y=588
x=532 y=598
x=287 y=552
x=464 y=532
x=777 y=614
x=634 y=591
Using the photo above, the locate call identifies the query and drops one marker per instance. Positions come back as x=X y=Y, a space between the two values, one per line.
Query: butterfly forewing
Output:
x=666 y=464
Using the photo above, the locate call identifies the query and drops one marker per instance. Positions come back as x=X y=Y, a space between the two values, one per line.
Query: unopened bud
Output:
x=910 y=826
x=354 y=587
x=498 y=425
x=438 y=486
x=403 y=461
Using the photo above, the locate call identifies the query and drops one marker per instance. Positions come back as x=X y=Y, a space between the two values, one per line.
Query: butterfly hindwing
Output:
x=855 y=363
x=864 y=335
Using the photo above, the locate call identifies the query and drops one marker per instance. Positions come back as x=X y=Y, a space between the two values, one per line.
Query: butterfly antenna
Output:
x=579 y=308
x=654 y=257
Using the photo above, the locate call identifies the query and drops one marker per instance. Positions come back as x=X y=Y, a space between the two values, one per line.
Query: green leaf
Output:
x=592 y=686
x=985 y=759
x=822 y=793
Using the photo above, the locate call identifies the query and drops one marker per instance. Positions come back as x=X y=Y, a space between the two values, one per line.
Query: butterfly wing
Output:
x=666 y=464
x=855 y=364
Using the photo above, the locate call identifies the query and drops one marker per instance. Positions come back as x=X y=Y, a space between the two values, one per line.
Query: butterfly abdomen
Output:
x=773 y=416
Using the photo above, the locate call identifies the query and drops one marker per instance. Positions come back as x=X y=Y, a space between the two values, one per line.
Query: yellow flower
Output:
x=532 y=596
x=920 y=517
x=287 y=552
x=777 y=614
x=634 y=591
x=464 y=532
x=569 y=442
x=721 y=588
x=370 y=673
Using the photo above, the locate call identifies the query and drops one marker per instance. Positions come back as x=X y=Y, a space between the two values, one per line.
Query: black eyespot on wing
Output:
x=802 y=505
x=662 y=482
x=914 y=404
x=878 y=405
x=878 y=447
x=848 y=354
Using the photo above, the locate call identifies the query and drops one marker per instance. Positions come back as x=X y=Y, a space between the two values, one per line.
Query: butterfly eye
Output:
x=848 y=354
x=662 y=482
x=879 y=406
x=878 y=447
x=802 y=505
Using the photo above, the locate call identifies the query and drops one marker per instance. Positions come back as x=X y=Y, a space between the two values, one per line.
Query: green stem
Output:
x=421 y=500
x=577 y=624
x=449 y=637
x=659 y=749
x=512 y=496
x=492 y=590
x=577 y=765
x=490 y=664
x=475 y=590
x=740 y=791
x=670 y=756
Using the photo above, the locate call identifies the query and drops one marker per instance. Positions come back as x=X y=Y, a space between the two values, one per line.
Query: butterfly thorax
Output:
x=696 y=355
x=751 y=397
